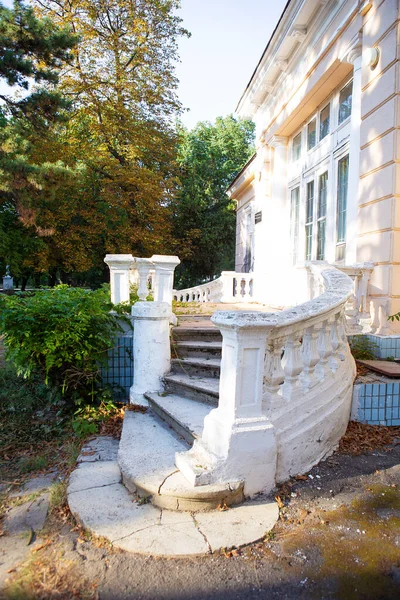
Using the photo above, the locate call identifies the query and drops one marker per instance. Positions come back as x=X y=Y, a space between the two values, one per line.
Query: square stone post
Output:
x=164 y=277
x=227 y=296
x=238 y=441
x=119 y=265
x=151 y=348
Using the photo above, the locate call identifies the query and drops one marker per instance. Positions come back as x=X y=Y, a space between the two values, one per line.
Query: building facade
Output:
x=324 y=182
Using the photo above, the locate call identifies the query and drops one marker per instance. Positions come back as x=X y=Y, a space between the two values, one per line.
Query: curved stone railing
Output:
x=285 y=391
x=231 y=287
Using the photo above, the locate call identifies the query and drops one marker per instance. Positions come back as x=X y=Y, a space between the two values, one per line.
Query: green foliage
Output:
x=64 y=332
x=88 y=418
x=210 y=156
x=33 y=49
x=395 y=317
x=362 y=348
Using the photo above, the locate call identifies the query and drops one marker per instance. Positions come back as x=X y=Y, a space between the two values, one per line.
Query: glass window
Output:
x=324 y=121
x=343 y=177
x=322 y=202
x=296 y=150
x=309 y=219
x=312 y=134
x=294 y=220
x=345 y=98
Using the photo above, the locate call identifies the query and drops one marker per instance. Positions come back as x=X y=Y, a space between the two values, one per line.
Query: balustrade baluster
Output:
x=274 y=375
x=324 y=349
x=310 y=357
x=335 y=344
x=293 y=365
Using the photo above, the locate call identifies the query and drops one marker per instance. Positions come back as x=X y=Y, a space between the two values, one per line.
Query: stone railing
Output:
x=151 y=343
x=231 y=287
x=285 y=391
x=150 y=275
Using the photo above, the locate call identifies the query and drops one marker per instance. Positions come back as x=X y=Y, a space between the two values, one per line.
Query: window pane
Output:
x=324 y=122
x=345 y=99
x=312 y=134
x=322 y=195
x=309 y=219
x=343 y=176
x=296 y=153
x=295 y=210
x=322 y=201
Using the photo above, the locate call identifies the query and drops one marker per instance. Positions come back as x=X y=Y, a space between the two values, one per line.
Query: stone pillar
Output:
x=164 y=277
x=238 y=441
x=151 y=348
x=355 y=58
x=119 y=265
x=279 y=245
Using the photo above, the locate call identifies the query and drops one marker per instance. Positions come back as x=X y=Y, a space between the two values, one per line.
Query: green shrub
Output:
x=362 y=348
x=65 y=332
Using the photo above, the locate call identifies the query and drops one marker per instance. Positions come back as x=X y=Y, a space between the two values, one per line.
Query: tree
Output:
x=123 y=88
x=210 y=156
x=32 y=51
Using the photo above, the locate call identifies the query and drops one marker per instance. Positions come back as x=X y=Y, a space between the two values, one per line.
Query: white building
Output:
x=325 y=181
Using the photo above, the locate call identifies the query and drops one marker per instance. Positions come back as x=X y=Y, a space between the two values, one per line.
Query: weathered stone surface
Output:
x=111 y=511
x=147 y=451
x=238 y=526
x=175 y=535
x=94 y=475
x=36 y=484
x=100 y=448
x=27 y=516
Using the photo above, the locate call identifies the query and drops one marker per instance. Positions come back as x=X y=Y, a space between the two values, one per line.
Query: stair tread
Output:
x=200 y=362
x=210 y=385
x=188 y=413
x=147 y=459
x=195 y=344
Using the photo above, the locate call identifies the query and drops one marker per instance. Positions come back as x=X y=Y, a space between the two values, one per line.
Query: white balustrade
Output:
x=285 y=391
x=230 y=288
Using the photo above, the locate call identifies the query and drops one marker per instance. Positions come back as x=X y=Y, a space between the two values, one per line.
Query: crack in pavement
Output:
x=136 y=531
x=201 y=533
x=95 y=487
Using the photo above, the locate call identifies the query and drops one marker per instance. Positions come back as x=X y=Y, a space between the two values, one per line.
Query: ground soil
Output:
x=338 y=537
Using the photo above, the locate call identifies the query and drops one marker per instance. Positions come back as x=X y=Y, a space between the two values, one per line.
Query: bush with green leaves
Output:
x=362 y=348
x=64 y=332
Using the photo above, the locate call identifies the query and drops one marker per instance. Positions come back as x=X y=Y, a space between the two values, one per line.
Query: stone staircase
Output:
x=174 y=420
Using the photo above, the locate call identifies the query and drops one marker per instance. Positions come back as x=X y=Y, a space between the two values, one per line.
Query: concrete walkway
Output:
x=101 y=503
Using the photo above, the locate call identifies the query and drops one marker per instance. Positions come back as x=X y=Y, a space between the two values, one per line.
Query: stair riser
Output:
x=185 y=352
x=196 y=336
x=193 y=318
x=176 y=426
x=173 y=387
x=195 y=371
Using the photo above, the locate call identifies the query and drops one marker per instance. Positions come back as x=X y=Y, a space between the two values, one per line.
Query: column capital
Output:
x=353 y=52
x=278 y=141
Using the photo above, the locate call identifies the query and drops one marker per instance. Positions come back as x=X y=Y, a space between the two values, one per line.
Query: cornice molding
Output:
x=277 y=141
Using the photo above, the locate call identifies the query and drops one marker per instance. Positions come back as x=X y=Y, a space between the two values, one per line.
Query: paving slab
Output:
x=112 y=511
x=100 y=448
x=175 y=535
x=238 y=526
x=34 y=485
x=94 y=475
x=28 y=516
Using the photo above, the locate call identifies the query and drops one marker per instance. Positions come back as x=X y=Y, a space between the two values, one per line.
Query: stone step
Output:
x=186 y=417
x=146 y=459
x=194 y=318
x=192 y=334
x=196 y=349
x=202 y=389
x=197 y=367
